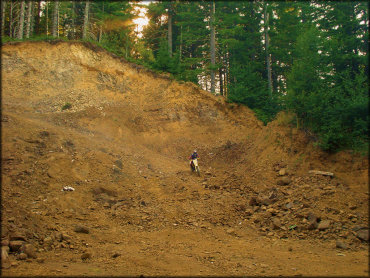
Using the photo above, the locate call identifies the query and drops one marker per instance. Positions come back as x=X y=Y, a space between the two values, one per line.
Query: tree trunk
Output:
x=47 y=18
x=213 y=46
x=55 y=19
x=227 y=73
x=221 y=85
x=21 y=20
x=268 y=58
x=170 y=30
x=37 y=29
x=101 y=26
x=32 y=32
x=29 y=16
x=11 y=20
x=73 y=22
x=126 y=53
x=86 y=20
x=180 y=43
x=58 y=21
x=3 y=7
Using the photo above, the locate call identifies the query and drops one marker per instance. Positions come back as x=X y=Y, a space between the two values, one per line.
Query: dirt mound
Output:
x=75 y=117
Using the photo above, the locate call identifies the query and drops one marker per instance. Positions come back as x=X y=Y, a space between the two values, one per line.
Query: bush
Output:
x=66 y=106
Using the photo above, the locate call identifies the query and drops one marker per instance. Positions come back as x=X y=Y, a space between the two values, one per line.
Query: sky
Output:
x=142 y=20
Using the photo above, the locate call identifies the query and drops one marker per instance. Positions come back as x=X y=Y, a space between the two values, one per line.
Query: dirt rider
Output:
x=192 y=157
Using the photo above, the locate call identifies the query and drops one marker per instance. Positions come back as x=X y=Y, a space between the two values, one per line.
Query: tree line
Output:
x=309 y=58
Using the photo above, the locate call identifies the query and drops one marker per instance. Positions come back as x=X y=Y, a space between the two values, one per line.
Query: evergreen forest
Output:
x=306 y=59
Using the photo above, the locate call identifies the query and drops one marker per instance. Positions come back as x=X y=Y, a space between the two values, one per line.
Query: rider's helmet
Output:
x=195 y=151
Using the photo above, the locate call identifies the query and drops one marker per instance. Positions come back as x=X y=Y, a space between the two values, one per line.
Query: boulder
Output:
x=323 y=225
x=22 y=256
x=363 y=234
x=341 y=245
x=276 y=224
x=29 y=250
x=81 y=229
x=284 y=181
x=85 y=256
x=15 y=245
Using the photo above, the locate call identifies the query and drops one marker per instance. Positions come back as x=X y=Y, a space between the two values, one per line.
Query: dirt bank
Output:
x=136 y=208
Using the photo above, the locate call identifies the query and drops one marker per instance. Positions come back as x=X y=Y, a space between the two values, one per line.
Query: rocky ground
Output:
x=102 y=186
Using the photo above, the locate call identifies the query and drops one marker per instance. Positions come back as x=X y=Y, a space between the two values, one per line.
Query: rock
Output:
x=5 y=263
x=289 y=205
x=30 y=250
x=17 y=237
x=81 y=229
x=311 y=217
x=276 y=224
x=363 y=234
x=11 y=219
x=40 y=260
x=315 y=172
x=253 y=201
x=5 y=242
x=323 y=225
x=86 y=256
x=115 y=255
x=230 y=231
x=341 y=245
x=282 y=172
x=65 y=236
x=312 y=225
x=358 y=227
x=22 y=256
x=248 y=212
x=15 y=245
x=266 y=201
x=48 y=241
x=284 y=181
x=272 y=211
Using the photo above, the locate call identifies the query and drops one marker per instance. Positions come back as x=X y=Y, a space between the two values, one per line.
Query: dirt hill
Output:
x=120 y=135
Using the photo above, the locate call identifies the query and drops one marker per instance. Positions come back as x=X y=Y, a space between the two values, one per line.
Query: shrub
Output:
x=66 y=106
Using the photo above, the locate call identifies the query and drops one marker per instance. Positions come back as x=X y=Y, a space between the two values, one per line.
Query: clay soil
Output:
x=137 y=209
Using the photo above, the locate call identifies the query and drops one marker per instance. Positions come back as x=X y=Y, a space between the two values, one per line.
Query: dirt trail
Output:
x=136 y=208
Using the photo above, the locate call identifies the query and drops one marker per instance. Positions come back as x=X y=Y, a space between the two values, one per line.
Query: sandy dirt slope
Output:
x=136 y=208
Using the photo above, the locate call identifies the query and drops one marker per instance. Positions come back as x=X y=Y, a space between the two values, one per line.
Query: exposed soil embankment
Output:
x=74 y=115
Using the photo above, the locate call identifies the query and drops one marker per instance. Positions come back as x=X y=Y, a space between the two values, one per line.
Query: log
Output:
x=315 y=172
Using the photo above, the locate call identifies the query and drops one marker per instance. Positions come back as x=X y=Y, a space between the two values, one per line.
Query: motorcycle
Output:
x=194 y=166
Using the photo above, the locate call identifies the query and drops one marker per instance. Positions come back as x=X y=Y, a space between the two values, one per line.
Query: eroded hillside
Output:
x=136 y=208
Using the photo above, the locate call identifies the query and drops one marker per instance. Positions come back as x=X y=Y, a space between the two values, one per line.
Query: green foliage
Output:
x=66 y=106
